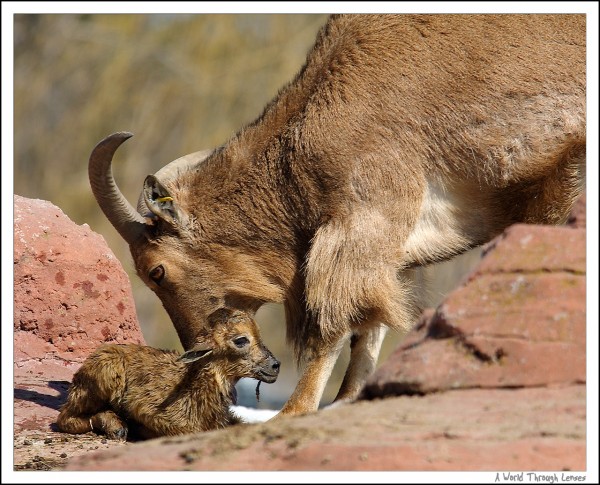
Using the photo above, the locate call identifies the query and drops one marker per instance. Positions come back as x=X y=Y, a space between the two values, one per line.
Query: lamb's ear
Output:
x=161 y=203
x=196 y=353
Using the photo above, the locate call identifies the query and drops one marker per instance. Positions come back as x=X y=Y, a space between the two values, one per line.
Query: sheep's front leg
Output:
x=319 y=363
x=364 y=351
x=110 y=424
x=350 y=282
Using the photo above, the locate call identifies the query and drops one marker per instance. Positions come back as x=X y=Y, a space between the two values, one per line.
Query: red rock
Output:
x=69 y=289
x=70 y=295
x=524 y=248
x=518 y=320
x=517 y=429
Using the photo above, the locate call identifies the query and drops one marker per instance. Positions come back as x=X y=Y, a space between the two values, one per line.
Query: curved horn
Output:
x=115 y=206
x=172 y=170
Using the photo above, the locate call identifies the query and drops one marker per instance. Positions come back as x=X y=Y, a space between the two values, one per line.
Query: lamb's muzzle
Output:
x=269 y=371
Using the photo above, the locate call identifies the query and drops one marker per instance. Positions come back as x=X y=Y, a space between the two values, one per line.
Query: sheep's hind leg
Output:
x=73 y=424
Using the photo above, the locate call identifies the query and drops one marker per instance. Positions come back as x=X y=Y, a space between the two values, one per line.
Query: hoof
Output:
x=118 y=434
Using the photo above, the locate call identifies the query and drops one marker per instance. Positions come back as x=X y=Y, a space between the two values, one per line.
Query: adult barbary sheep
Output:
x=161 y=393
x=403 y=141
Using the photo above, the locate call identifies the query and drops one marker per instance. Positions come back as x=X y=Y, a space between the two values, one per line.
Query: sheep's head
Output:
x=176 y=241
x=233 y=338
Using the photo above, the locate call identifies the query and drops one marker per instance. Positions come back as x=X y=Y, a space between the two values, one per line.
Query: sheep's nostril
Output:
x=276 y=366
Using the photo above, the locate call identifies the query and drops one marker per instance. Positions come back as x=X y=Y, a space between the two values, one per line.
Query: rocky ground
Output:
x=493 y=379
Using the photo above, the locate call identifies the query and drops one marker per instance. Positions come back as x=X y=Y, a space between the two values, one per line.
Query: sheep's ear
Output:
x=195 y=354
x=159 y=201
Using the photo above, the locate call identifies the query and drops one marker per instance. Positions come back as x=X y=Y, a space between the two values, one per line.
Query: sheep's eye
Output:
x=157 y=274
x=241 y=342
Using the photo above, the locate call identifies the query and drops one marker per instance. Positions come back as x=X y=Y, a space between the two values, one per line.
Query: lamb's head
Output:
x=232 y=339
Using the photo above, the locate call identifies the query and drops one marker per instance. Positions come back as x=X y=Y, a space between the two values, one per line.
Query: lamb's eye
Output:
x=241 y=342
x=157 y=274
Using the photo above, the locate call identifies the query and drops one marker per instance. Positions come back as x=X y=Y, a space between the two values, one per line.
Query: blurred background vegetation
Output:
x=180 y=83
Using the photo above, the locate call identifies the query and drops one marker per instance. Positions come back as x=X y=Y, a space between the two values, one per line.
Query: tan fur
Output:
x=403 y=141
x=132 y=385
